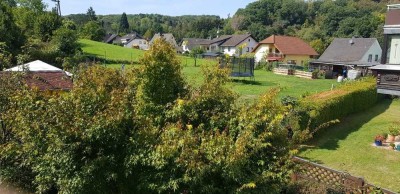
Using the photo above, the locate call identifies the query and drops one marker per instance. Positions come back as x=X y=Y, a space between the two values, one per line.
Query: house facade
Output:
x=169 y=38
x=232 y=45
x=284 y=49
x=238 y=45
x=345 y=54
x=188 y=44
x=139 y=43
x=388 y=72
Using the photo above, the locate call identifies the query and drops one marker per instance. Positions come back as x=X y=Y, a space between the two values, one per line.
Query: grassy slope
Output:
x=347 y=146
x=114 y=52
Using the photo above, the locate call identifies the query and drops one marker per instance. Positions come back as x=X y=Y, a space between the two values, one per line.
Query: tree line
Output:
x=316 y=21
x=30 y=32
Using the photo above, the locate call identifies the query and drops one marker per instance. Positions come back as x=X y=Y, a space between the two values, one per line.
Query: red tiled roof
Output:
x=289 y=45
x=46 y=80
x=393 y=17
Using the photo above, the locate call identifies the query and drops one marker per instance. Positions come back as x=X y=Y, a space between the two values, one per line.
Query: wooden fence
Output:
x=303 y=74
x=280 y=71
x=333 y=179
x=297 y=73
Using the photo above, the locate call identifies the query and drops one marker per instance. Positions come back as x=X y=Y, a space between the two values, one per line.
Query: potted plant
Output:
x=392 y=145
x=395 y=127
x=379 y=139
x=393 y=132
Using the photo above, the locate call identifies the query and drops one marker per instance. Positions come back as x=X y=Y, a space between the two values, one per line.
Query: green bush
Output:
x=327 y=107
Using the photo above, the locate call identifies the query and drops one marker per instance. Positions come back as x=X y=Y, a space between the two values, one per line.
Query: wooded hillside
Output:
x=316 y=21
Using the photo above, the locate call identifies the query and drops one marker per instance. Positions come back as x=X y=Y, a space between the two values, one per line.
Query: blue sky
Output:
x=165 y=7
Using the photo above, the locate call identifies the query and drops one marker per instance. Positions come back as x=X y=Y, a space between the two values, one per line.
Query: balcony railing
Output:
x=278 y=55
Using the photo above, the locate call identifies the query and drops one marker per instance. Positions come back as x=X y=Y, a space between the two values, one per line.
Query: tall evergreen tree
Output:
x=91 y=14
x=123 y=24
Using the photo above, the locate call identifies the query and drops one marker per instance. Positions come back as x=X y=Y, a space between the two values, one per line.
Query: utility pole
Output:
x=58 y=7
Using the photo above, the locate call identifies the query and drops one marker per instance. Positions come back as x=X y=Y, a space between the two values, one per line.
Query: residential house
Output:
x=214 y=44
x=133 y=40
x=139 y=43
x=42 y=76
x=349 y=54
x=188 y=44
x=110 y=38
x=388 y=72
x=237 y=45
x=286 y=49
x=169 y=38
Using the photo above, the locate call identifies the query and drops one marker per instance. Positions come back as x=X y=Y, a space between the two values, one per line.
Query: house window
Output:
x=376 y=57
x=248 y=49
x=270 y=50
x=229 y=49
x=369 y=58
x=249 y=39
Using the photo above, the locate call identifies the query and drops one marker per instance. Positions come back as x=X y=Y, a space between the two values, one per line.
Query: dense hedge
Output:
x=351 y=97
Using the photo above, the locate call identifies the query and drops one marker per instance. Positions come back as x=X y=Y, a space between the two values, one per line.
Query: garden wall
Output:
x=331 y=105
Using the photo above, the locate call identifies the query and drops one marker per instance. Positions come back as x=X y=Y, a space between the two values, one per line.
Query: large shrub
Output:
x=323 y=108
x=130 y=132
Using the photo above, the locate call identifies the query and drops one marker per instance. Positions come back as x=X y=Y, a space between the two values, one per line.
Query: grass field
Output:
x=248 y=90
x=113 y=52
x=348 y=146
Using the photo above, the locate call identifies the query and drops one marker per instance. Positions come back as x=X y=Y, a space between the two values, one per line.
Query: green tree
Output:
x=11 y=34
x=162 y=80
x=91 y=14
x=318 y=45
x=194 y=53
x=123 y=24
x=37 y=6
x=46 y=23
x=93 y=31
x=149 y=34
x=65 y=42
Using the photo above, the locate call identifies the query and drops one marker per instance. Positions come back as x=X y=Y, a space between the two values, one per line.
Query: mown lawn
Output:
x=248 y=90
x=348 y=146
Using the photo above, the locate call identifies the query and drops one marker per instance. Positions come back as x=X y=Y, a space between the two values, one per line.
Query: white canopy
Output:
x=37 y=66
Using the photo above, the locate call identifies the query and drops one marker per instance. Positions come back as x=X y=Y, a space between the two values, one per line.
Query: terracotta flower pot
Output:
x=390 y=138
x=397 y=138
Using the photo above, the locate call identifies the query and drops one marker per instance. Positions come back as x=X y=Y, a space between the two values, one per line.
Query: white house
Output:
x=139 y=43
x=239 y=45
x=189 y=44
x=134 y=40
